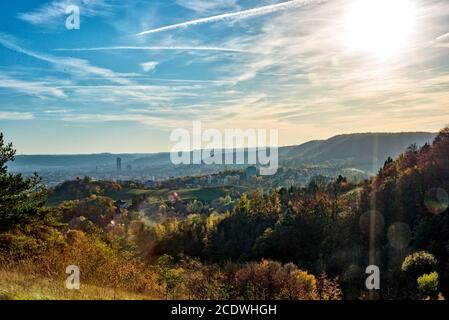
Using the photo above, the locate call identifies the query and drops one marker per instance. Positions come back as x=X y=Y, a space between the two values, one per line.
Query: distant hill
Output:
x=364 y=151
x=64 y=161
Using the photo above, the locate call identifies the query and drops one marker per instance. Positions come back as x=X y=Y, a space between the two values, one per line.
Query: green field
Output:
x=203 y=194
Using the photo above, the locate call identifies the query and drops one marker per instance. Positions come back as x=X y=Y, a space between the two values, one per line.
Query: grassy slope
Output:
x=19 y=286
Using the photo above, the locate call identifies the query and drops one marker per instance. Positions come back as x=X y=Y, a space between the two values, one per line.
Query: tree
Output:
x=170 y=277
x=328 y=289
x=20 y=198
x=419 y=263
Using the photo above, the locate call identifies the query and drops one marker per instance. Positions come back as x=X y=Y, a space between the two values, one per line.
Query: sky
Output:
x=136 y=70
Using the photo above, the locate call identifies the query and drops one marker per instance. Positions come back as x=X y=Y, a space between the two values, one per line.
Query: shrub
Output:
x=269 y=280
x=428 y=285
x=419 y=263
x=99 y=264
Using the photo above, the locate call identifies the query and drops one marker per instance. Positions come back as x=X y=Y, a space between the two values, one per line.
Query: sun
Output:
x=380 y=27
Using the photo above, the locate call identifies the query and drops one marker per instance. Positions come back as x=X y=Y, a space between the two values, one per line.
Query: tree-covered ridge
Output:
x=312 y=242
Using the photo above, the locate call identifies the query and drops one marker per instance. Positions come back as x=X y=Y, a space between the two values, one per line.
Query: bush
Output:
x=419 y=263
x=99 y=264
x=270 y=280
x=428 y=285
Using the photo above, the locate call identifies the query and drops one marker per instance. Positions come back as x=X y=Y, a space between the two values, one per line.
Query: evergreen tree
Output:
x=20 y=198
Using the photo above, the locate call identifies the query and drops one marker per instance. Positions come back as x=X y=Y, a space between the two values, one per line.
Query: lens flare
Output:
x=436 y=200
x=399 y=235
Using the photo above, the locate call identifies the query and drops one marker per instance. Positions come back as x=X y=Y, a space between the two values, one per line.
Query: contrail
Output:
x=234 y=15
x=442 y=37
x=175 y=48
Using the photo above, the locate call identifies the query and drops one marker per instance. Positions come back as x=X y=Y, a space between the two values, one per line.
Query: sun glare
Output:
x=380 y=27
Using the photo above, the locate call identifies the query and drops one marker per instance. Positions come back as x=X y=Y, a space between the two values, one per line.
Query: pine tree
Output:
x=20 y=198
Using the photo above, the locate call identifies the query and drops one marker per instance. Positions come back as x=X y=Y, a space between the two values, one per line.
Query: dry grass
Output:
x=15 y=285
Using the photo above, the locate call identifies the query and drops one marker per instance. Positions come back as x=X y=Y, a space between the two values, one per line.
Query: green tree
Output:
x=170 y=276
x=20 y=198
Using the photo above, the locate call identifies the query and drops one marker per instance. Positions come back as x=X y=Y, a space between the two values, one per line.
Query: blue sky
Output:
x=135 y=70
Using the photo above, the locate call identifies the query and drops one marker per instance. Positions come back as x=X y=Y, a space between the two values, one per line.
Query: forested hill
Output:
x=366 y=151
x=361 y=150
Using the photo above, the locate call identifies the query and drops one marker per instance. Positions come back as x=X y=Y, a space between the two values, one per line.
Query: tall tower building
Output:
x=119 y=164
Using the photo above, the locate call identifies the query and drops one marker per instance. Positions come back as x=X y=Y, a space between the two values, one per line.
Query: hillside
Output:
x=308 y=242
x=365 y=151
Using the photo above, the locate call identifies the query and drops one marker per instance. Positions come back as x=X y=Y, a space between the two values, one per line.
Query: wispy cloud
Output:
x=314 y=85
x=6 y=115
x=149 y=66
x=70 y=65
x=443 y=37
x=440 y=41
x=208 y=6
x=161 y=122
x=156 y=48
x=234 y=15
x=300 y=75
x=39 y=89
x=49 y=13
